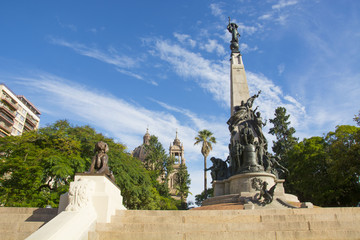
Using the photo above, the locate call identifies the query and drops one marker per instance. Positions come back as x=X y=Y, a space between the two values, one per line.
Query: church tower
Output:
x=176 y=150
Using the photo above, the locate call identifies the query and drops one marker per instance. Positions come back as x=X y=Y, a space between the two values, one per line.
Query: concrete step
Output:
x=19 y=223
x=186 y=218
x=20 y=226
x=235 y=235
x=262 y=212
x=221 y=227
x=23 y=210
x=14 y=218
x=320 y=223
x=15 y=235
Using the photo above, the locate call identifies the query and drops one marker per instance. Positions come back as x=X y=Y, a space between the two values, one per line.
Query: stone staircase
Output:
x=19 y=223
x=315 y=223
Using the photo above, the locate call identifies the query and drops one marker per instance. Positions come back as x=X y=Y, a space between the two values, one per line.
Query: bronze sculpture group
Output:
x=248 y=145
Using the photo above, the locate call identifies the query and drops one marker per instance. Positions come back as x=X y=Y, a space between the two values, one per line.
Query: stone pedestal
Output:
x=92 y=198
x=239 y=189
x=105 y=197
x=241 y=183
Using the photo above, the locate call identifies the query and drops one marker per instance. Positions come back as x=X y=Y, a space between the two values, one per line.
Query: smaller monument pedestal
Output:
x=93 y=198
x=93 y=190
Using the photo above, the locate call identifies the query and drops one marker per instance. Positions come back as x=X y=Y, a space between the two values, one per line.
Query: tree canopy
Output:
x=283 y=132
x=37 y=167
x=325 y=170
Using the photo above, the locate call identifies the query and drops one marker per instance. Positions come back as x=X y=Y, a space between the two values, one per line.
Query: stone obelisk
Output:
x=239 y=90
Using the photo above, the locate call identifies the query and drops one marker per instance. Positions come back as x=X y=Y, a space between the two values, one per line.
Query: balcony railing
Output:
x=28 y=127
x=31 y=120
x=7 y=109
x=5 y=127
x=10 y=101
x=6 y=118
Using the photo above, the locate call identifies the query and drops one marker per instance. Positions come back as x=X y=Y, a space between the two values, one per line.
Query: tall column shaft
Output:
x=239 y=90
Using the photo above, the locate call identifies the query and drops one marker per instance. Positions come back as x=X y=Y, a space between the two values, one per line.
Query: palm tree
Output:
x=205 y=137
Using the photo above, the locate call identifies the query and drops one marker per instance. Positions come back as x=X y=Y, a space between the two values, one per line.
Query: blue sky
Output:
x=123 y=66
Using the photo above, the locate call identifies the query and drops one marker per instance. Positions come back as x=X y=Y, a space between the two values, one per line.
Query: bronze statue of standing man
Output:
x=232 y=28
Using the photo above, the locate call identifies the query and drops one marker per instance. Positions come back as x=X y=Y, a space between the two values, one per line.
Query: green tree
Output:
x=183 y=184
x=357 y=119
x=37 y=167
x=159 y=164
x=283 y=133
x=205 y=137
x=325 y=170
x=308 y=167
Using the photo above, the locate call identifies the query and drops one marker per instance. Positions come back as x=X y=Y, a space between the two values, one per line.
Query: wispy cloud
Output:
x=125 y=121
x=216 y=10
x=246 y=29
x=281 y=68
x=265 y=16
x=185 y=39
x=137 y=76
x=244 y=48
x=121 y=61
x=71 y=27
x=209 y=75
x=213 y=46
x=214 y=78
x=122 y=119
x=284 y=3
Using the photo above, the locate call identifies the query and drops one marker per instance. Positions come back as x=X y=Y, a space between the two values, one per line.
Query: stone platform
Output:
x=239 y=189
x=265 y=224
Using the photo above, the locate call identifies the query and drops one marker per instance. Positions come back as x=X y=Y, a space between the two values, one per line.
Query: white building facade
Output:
x=17 y=114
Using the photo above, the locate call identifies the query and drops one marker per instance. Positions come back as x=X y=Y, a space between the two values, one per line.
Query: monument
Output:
x=250 y=175
x=93 y=198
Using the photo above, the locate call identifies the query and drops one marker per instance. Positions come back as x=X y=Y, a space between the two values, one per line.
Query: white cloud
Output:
x=213 y=46
x=216 y=10
x=246 y=29
x=284 y=3
x=185 y=39
x=272 y=97
x=125 y=121
x=209 y=75
x=110 y=58
x=281 y=68
x=245 y=48
x=214 y=77
x=122 y=63
x=266 y=16
x=71 y=27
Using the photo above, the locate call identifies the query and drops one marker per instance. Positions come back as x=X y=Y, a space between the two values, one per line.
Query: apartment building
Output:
x=17 y=114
